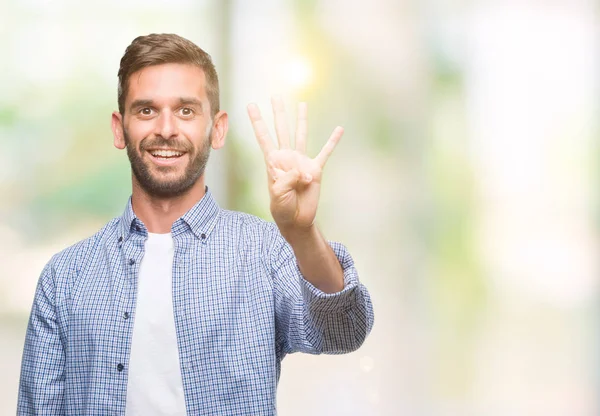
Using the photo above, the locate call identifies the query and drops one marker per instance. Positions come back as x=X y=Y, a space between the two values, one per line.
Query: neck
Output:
x=159 y=214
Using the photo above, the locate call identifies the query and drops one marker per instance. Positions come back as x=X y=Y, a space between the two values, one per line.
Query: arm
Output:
x=310 y=320
x=316 y=260
x=320 y=304
x=294 y=188
x=41 y=387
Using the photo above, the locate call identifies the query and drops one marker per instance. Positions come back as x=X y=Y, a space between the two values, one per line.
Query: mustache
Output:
x=158 y=141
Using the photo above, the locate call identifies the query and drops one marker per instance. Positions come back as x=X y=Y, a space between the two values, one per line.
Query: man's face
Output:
x=167 y=128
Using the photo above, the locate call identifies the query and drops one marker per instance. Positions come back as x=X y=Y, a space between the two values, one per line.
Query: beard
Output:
x=159 y=181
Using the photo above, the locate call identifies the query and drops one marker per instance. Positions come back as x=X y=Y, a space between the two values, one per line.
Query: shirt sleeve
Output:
x=41 y=386
x=311 y=321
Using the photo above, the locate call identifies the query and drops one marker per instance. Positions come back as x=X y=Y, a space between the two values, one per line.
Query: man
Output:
x=178 y=306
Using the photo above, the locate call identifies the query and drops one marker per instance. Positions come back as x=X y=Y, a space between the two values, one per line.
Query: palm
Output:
x=294 y=178
x=293 y=205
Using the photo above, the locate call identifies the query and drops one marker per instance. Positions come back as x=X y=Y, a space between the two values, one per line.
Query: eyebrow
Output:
x=141 y=103
x=190 y=101
x=182 y=101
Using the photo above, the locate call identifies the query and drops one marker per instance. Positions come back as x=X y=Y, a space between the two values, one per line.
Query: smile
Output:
x=165 y=157
x=165 y=153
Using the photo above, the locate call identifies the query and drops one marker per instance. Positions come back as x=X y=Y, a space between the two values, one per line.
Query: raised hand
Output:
x=294 y=178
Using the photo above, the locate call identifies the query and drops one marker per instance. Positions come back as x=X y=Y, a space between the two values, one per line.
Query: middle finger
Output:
x=281 y=127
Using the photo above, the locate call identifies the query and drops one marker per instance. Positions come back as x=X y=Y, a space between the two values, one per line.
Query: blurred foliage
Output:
x=458 y=295
x=70 y=172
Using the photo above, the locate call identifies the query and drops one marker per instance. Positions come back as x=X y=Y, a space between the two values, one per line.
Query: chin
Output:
x=164 y=188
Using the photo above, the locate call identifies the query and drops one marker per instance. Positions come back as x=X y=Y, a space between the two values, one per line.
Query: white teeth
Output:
x=165 y=153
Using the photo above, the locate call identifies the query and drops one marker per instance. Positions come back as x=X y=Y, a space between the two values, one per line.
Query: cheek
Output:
x=137 y=133
x=197 y=134
x=208 y=130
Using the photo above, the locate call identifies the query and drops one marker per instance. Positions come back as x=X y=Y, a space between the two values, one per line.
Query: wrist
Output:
x=297 y=235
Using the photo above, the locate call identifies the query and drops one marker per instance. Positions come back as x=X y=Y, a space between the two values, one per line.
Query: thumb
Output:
x=286 y=182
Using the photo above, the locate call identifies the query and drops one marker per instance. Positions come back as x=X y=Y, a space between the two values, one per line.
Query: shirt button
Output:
x=203 y=236
x=131 y=262
x=120 y=367
x=120 y=239
x=137 y=228
x=126 y=315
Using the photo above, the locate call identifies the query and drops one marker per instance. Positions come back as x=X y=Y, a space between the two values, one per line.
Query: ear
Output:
x=219 y=130
x=117 y=129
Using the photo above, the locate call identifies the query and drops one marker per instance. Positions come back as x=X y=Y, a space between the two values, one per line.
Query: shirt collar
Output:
x=200 y=219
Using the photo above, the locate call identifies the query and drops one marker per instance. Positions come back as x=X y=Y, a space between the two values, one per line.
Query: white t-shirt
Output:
x=154 y=385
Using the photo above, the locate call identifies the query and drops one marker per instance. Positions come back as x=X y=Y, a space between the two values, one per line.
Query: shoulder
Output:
x=248 y=229
x=74 y=258
x=244 y=222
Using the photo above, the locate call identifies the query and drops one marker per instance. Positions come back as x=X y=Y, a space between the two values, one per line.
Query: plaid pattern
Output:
x=240 y=305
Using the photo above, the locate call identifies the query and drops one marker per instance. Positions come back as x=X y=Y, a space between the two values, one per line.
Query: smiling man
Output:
x=179 y=307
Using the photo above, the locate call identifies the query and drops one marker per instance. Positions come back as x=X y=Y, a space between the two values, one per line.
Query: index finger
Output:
x=260 y=129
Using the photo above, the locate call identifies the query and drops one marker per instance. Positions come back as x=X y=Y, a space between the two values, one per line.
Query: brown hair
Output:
x=156 y=49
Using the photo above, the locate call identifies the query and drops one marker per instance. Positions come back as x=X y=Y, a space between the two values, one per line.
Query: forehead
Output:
x=167 y=82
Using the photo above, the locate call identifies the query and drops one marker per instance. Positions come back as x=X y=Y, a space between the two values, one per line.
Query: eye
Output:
x=146 y=111
x=186 y=112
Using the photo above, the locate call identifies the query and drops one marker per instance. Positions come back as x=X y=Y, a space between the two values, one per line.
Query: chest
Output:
x=221 y=297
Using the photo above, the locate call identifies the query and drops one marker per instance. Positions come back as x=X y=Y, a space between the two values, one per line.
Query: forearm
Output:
x=316 y=260
x=312 y=321
x=41 y=387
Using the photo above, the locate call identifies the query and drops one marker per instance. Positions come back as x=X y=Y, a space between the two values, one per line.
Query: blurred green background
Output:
x=465 y=185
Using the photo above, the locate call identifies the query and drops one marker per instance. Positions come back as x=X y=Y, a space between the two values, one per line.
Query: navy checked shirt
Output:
x=240 y=305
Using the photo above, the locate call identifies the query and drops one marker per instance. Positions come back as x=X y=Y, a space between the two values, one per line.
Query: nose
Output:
x=167 y=125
